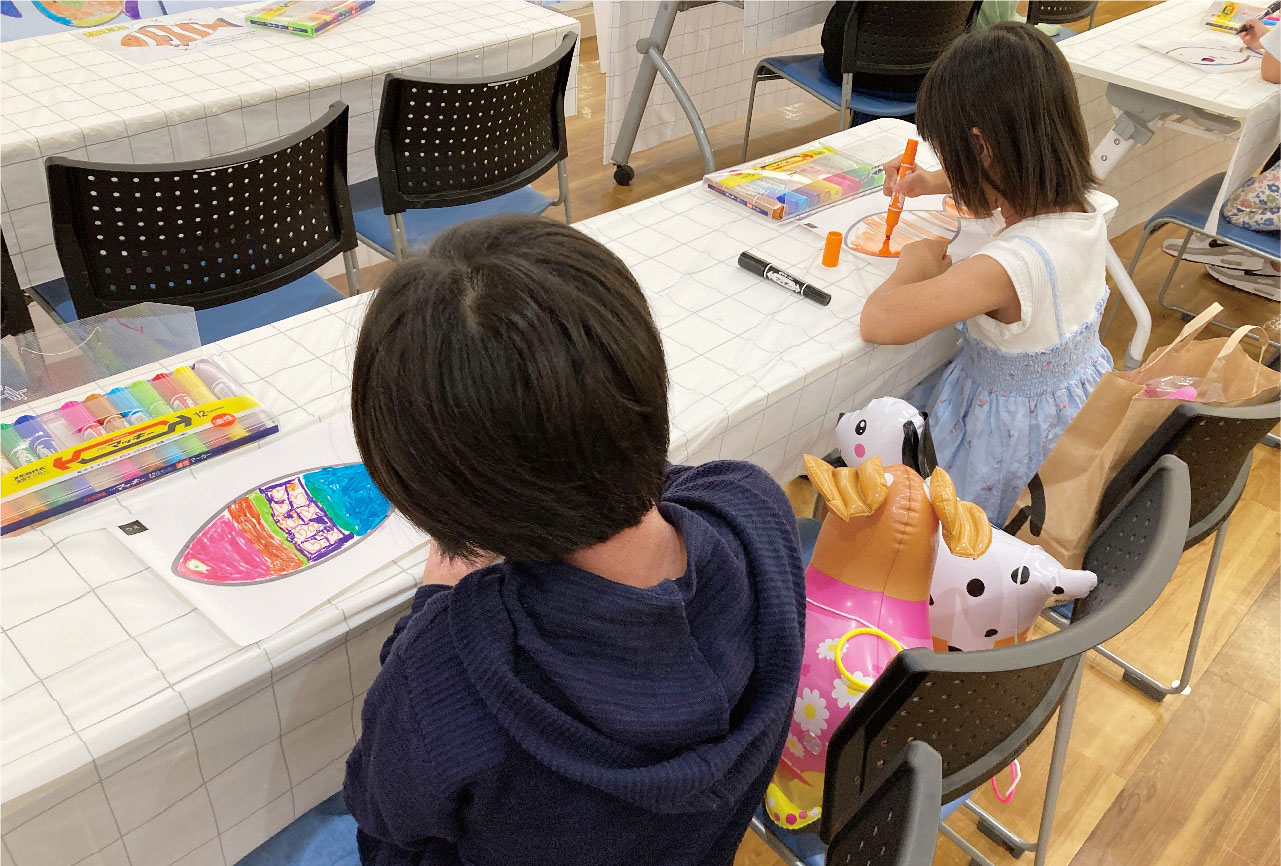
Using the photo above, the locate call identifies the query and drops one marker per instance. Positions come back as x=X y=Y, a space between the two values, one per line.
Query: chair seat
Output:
x=1192 y=209
x=423 y=224
x=806 y=71
x=216 y=323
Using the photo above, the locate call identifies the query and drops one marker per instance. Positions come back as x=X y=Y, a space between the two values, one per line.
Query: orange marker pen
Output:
x=896 y=203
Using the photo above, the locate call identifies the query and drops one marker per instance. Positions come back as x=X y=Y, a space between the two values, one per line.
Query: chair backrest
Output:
x=15 y=318
x=1216 y=444
x=902 y=38
x=206 y=232
x=980 y=709
x=460 y=141
x=896 y=822
x=1059 y=11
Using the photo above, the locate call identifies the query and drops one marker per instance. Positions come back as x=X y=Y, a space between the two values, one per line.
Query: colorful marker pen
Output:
x=223 y=386
x=199 y=391
x=156 y=406
x=113 y=421
x=133 y=413
x=84 y=426
x=41 y=441
x=167 y=386
x=19 y=453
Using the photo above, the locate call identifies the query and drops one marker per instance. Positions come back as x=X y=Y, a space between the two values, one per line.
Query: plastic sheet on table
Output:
x=53 y=358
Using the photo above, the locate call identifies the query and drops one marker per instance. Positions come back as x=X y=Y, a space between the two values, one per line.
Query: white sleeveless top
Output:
x=1067 y=248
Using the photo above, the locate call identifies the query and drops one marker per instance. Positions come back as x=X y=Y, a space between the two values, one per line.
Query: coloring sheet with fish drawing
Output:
x=1209 y=52
x=273 y=533
x=861 y=222
x=169 y=36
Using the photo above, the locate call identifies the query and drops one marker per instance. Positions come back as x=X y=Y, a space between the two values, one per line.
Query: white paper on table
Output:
x=170 y=36
x=842 y=217
x=1211 y=53
x=248 y=613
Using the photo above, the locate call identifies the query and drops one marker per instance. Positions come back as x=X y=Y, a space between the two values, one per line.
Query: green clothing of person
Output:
x=996 y=11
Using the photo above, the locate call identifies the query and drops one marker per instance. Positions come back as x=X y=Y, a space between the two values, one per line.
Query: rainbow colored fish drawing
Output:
x=284 y=527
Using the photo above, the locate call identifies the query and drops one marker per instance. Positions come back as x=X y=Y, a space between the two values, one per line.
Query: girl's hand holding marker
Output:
x=917 y=182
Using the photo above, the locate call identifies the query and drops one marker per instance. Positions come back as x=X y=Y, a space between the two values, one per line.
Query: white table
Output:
x=1178 y=155
x=64 y=96
x=131 y=727
x=711 y=50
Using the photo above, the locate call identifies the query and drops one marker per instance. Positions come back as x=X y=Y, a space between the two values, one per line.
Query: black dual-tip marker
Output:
x=765 y=270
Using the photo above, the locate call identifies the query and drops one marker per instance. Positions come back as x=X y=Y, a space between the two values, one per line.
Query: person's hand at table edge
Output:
x=441 y=570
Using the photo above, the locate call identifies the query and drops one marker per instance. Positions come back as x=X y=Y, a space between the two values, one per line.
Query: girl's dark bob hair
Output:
x=509 y=391
x=1012 y=86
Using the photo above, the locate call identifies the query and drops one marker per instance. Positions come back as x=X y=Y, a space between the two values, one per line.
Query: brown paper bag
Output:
x=1058 y=508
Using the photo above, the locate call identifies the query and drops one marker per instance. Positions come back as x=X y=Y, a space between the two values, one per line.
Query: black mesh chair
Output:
x=1217 y=446
x=878 y=42
x=451 y=151
x=896 y=821
x=980 y=710
x=1061 y=12
x=15 y=318
x=237 y=237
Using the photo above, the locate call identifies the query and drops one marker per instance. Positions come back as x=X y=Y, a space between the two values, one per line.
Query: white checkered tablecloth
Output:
x=136 y=733
x=63 y=96
x=713 y=50
x=1174 y=160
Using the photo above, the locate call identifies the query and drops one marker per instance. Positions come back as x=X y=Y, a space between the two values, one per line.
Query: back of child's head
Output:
x=510 y=392
x=1013 y=85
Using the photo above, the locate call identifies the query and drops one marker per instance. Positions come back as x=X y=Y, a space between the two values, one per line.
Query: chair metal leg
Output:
x=399 y=243
x=996 y=831
x=751 y=102
x=353 y=273
x=1152 y=687
x=976 y=856
x=562 y=183
x=1169 y=275
x=847 y=93
x=776 y=845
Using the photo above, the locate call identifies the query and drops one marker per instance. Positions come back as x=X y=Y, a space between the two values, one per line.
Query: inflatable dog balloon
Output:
x=979 y=603
x=867 y=594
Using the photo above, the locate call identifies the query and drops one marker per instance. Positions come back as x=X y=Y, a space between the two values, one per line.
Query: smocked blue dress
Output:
x=995 y=415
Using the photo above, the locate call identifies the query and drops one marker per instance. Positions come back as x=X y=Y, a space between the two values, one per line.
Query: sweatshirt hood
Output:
x=671 y=698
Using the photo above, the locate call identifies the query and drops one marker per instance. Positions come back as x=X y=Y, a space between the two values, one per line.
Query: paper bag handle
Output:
x=1190 y=330
x=1230 y=345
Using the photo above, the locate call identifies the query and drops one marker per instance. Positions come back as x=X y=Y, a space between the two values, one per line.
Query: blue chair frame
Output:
x=806 y=70
x=1191 y=211
x=206 y=233
x=434 y=188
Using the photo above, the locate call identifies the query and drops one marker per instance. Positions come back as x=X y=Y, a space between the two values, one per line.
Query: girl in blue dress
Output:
x=1000 y=111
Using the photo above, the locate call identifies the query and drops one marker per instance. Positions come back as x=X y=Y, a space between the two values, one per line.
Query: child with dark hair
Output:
x=999 y=108
x=617 y=689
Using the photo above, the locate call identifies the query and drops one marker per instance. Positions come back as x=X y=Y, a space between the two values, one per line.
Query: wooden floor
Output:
x=1192 y=781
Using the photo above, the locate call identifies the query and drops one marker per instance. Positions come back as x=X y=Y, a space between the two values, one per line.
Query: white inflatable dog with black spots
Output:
x=979 y=603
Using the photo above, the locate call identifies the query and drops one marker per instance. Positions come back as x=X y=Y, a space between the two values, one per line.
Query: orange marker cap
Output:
x=832 y=250
x=909 y=152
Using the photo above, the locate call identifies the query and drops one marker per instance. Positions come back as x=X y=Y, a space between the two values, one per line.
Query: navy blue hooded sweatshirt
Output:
x=540 y=715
